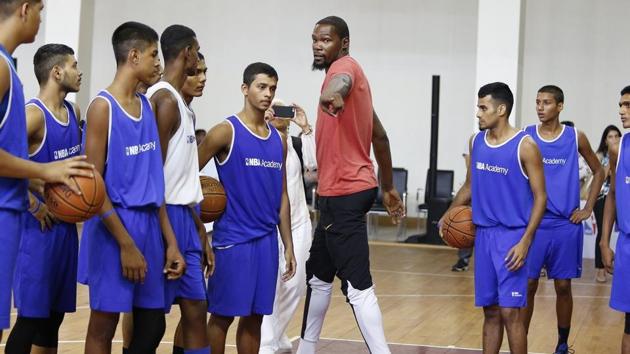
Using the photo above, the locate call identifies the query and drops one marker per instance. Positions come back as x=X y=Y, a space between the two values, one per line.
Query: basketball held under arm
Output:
x=216 y=144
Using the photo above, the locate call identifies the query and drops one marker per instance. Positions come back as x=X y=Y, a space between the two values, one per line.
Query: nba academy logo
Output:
x=492 y=168
x=554 y=161
x=627 y=179
x=256 y=162
x=63 y=153
x=133 y=150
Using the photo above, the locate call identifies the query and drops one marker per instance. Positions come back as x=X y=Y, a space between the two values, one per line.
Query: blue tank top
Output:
x=501 y=195
x=13 y=138
x=622 y=185
x=133 y=171
x=562 y=180
x=252 y=178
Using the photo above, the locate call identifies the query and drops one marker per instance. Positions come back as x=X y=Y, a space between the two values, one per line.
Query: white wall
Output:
x=399 y=44
x=24 y=54
x=581 y=46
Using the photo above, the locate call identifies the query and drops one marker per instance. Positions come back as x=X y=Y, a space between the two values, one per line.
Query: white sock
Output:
x=368 y=315
x=306 y=347
x=318 y=301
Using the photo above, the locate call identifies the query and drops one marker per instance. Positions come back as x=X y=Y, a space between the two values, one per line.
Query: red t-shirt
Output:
x=343 y=142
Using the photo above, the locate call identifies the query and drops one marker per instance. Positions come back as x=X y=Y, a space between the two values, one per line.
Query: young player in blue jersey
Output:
x=618 y=204
x=131 y=242
x=558 y=243
x=250 y=156
x=45 y=276
x=505 y=184
x=19 y=23
x=176 y=126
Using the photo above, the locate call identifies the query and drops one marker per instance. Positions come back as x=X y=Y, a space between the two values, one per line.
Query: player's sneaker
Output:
x=460 y=266
x=564 y=349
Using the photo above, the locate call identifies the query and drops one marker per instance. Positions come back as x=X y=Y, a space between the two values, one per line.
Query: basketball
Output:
x=71 y=207
x=214 y=199
x=458 y=229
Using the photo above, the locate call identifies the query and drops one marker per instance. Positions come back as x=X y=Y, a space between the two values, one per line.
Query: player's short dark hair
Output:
x=7 y=7
x=46 y=57
x=201 y=57
x=174 y=39
x=500 y=92
x=132 y=35
x=200 y=131
x=556 y=91
x=249 y=75
x=341 y=27
x=568 y=123
x=625 y=90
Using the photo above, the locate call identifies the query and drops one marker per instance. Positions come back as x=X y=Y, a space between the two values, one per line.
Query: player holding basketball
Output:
x=126 y=257
x=558 y=243
x=506 y=185
x=250 y=156
x=347 y=126
x=19 y=23
x=46 y=271
x=176 y=127
x=618 y=203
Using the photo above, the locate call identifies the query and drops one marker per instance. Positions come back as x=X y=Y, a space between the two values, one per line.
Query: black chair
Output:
x=399 y=177
x=443 y=192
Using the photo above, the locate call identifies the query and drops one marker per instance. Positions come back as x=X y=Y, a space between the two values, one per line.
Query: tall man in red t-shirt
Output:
x=346 y=128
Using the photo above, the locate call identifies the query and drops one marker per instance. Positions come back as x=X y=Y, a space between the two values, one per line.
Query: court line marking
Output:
x=411 y=344
x=118 y=341
x=473 y=295
x=602 y=297
x=470 y=277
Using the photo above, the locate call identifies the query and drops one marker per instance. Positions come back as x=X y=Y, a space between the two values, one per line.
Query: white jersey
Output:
x=295 y=188
x=181 y=167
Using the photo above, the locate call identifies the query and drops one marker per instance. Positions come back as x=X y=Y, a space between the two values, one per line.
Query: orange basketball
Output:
x=214 y=199
x=458 y=229
x=71 y=207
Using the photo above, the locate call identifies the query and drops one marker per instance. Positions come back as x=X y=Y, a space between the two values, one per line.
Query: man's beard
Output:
x=316 y=67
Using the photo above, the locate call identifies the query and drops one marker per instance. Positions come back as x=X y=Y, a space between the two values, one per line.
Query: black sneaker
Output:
x=564 y=349
x=460 y=266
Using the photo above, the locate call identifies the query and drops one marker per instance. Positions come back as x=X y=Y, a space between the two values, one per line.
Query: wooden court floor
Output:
x=423 y=304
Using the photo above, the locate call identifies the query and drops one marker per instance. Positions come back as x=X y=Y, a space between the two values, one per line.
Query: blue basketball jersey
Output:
x=252 y=178
x=13 y=139
x=622 y=185
x=501 y=195
x=133 y=171
x=61 y=140
x=560 y=160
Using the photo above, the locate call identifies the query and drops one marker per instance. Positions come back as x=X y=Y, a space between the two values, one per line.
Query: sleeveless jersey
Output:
x=181 y=167
x=560 y=160
x=501 y=195
x=133 y=171
x=252 y=177
x=622 y=185
x=13 y=139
